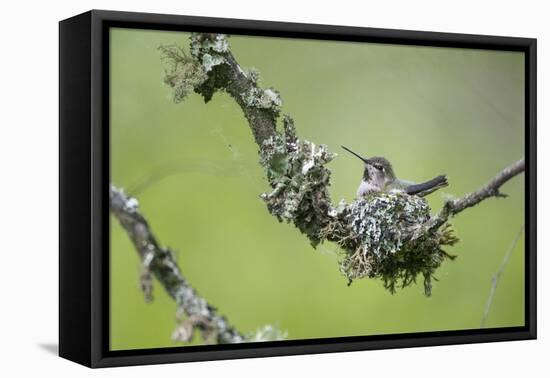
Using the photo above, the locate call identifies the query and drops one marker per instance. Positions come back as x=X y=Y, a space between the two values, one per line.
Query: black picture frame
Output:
x=84 y=184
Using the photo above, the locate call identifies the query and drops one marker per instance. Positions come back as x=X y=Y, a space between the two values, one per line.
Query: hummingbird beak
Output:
x=366 y=161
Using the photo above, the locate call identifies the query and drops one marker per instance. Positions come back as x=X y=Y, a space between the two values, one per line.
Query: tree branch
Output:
x=217 y=70
x=390 y=236
x=161 y=263
x=491 y=189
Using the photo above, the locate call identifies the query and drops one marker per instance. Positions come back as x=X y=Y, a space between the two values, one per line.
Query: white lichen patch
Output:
x=253 y=74
x=268 y=332
x=210 y=61
x=201 y=42
x=209 y=50
x=308 y=164
x=383 y=220
x=263 y=99
x=219 y=43
x=131 y=205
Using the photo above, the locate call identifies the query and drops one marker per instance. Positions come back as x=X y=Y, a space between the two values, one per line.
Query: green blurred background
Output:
x=429 y=110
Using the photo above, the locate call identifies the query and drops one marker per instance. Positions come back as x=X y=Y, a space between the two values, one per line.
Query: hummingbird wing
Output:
x=425 y=188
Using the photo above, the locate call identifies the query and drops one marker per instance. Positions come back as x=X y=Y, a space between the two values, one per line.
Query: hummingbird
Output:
x=379 y=176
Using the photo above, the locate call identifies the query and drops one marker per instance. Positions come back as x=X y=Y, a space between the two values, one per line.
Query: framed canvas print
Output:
x=234 y=188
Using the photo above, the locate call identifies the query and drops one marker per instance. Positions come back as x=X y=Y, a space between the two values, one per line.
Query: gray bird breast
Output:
x=366 y=187
x=373 y=181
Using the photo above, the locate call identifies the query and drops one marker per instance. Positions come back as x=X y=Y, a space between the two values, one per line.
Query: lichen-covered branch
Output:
x=194 y=312
x=390 y=236
x=210 y=68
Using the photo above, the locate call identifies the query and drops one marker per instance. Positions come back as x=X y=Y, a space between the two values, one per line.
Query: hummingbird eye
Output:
x=379 y=167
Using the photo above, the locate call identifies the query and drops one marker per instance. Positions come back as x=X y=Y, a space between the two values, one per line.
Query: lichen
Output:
x=381 y=220
x=209 y=49
x=184 y=73
x=211 y=52
x=263 y=99
x=208 y=41
x=268 y=332
x=253 y=74
x=297 y=173
x=209 y=61
x=381 y=240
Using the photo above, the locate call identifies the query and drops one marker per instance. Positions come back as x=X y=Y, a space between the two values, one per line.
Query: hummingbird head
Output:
x=378 y=170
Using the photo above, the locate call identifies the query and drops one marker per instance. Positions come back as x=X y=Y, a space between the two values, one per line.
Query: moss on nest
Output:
x=384 y=244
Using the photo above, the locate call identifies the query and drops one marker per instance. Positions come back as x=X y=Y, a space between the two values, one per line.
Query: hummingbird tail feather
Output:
x=428 y=187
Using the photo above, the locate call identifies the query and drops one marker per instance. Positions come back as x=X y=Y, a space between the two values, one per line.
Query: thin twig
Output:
x=217 y=168
x=491 y=189
x=496 y=277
